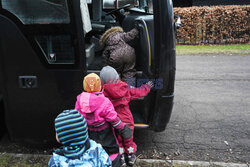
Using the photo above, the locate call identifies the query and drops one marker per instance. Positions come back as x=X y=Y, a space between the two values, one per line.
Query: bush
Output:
x=214 y=25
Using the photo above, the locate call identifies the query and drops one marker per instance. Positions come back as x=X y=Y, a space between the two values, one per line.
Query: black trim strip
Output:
x=76 y=18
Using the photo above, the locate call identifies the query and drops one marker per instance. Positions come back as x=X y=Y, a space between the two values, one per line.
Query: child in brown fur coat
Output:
x=117 y=53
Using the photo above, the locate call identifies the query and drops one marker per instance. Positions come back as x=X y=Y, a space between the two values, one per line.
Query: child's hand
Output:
x=126 y=132
x=150 y=84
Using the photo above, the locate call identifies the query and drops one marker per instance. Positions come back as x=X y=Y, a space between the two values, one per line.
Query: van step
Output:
x=140 y=122
x=141 y=126
x=98 y=71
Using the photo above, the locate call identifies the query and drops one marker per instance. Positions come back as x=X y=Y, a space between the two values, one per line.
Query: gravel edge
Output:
x=144 y=162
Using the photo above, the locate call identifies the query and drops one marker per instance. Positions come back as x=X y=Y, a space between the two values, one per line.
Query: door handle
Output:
x=27 y=81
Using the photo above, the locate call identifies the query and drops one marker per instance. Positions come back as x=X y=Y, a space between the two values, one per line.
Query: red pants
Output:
x=127 y=146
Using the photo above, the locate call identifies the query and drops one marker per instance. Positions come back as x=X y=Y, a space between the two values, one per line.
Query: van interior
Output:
x=125 y=14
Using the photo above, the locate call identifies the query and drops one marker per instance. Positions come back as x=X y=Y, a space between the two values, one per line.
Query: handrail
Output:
x=149 y=46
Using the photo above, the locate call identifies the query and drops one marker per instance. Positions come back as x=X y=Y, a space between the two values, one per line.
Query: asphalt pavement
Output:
x=211 y=114
x=210 y=121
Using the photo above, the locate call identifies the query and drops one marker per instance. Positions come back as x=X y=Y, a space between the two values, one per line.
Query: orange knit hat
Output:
x=92 y=83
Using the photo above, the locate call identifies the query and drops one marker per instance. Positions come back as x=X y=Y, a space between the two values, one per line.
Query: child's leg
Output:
x=129 y=145
x=121 y=150
x=126 y=145
x=128 y=70
x=120 y=141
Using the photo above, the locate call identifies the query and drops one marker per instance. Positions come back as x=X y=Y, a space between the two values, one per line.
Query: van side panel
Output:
x=30 y=112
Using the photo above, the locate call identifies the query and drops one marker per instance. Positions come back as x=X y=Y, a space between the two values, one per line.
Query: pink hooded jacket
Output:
x=100 y=114
x=98 y=111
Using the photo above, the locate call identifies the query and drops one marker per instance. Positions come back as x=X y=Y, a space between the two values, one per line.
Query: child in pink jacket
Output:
x=101 y=117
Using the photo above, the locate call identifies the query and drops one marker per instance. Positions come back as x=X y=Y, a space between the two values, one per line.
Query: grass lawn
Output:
x=213 y=49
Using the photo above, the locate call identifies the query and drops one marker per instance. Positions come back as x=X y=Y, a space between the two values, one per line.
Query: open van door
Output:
x=155 y=51
x=43 y=62
x=156 y=61
x=165 y=51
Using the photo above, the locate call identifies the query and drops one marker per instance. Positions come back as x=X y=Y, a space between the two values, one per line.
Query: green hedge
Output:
x=214 y=25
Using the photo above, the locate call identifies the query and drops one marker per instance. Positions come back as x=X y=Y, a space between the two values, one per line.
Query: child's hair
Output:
x=92 y=83
x=72 y=132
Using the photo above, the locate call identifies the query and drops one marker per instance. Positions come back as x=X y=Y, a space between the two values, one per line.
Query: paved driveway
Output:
x=211 y=115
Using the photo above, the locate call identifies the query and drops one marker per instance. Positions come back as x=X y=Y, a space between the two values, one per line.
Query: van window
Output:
x=146 y=5
x=57 y=49
x=38 y=11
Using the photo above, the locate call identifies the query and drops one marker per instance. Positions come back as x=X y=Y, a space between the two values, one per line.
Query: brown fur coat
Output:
x=117 y=53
